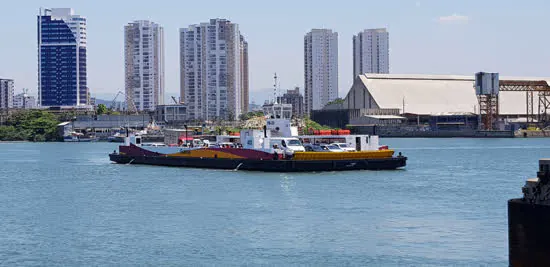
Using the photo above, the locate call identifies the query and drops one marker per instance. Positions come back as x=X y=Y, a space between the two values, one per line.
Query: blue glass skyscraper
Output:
x=61 y=58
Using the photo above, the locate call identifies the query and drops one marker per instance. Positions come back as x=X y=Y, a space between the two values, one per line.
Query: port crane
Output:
x=131 y=107
x=113 y=103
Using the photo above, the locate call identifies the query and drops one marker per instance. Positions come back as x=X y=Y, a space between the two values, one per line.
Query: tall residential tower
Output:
x=144 y=65
x=214 y=70
x=320 y=68
x=245 y=95
x=61 y=58
x=371 y=52
x=6 y=93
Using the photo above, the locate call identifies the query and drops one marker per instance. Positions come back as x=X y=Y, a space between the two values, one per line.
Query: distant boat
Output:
x=116 y=138
x=78 y=137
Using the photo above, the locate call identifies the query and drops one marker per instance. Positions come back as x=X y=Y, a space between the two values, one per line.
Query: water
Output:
x=65 y=204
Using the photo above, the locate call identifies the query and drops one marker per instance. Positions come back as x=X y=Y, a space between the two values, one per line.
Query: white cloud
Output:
x=453 y=18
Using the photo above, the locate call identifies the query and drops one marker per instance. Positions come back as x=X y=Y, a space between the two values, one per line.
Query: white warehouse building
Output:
x=433 y=94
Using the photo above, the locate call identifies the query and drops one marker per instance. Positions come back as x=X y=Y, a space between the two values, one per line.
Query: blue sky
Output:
x=426 y=37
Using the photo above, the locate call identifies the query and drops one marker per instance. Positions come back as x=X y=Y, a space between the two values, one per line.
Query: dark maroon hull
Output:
x=264 y=165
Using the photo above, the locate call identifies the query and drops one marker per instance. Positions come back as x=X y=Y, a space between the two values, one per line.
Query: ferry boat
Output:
x=276 y=148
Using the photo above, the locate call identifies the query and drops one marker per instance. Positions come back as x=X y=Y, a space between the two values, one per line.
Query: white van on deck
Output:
x=288 y=144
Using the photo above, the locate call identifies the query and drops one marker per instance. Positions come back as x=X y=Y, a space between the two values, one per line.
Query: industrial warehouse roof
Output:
x=432 y=94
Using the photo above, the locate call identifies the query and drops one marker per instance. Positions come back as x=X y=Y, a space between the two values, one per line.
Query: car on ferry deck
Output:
x=344 y=147
x=289 y=144
x=331 y=148
x=322 y=148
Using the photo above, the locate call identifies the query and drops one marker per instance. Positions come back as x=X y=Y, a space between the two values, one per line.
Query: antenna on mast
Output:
x=275 y=89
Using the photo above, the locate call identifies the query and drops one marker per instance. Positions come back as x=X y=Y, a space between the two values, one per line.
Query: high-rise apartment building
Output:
x=144 y=65
x=371 y=52
x=245 y=95
x=320 y=68
x=214 y=70
x=6 y=93
x=61 y=58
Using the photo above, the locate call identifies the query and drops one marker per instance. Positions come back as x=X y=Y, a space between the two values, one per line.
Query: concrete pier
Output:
x=529 y=221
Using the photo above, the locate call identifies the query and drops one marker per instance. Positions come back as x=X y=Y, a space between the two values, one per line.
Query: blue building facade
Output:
x=61 y=58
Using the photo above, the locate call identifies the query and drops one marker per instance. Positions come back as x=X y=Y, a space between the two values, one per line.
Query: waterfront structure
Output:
x=170 y=114
x=371 y=52
x=24 y=101
x=320 y=68
x=6 y=93
x=435 y=105
x=214 y=70
x=104 y=123
x=144 y=64
x=528 y=218
x=62 y=79
x=432 y=94
x=296 y=99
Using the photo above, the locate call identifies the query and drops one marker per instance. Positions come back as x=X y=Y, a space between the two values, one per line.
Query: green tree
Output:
x=310 y=124
x=250 y=115
x=101 y=109
x=9 y=133
x=31 y=125
x=336 y=101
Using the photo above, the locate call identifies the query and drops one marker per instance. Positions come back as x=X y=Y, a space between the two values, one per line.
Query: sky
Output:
x=426 y=37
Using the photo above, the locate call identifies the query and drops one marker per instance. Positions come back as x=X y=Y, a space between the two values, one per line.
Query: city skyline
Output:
x=427 y=37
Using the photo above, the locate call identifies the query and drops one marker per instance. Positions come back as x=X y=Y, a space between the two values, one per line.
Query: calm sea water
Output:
x=66 y=204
